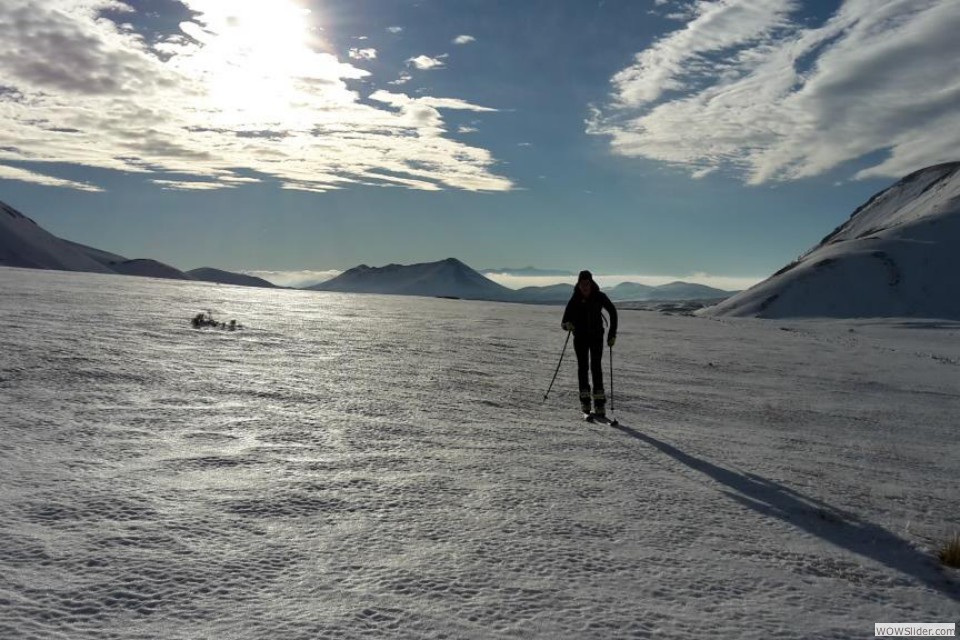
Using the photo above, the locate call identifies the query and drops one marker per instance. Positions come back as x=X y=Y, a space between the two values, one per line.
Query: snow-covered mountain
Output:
x=209 y=274
x=446 y=278
x=143 y=267
x=23 y=243
x=897 y=256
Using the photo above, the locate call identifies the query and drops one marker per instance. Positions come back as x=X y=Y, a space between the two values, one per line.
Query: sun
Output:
x=253 y=57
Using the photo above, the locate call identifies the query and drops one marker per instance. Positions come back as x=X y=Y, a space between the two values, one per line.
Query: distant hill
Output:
x=552 y=294
x=897 y=256
x=625 y=291
x=447 y=278
x=630 y=291
x=687 y=291
x=209 y=274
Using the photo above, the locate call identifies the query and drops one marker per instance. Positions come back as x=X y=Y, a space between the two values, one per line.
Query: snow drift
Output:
x=896 y=256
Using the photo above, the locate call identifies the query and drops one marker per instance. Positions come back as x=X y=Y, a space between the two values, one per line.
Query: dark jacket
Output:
x=585 y=315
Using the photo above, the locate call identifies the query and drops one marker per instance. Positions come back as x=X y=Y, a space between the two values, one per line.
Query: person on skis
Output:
x=582 y=316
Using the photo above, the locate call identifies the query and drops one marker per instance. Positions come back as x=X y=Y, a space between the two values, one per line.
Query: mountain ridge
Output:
x=895 y=256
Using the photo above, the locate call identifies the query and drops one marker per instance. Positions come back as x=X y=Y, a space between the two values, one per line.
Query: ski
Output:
x=592 y=417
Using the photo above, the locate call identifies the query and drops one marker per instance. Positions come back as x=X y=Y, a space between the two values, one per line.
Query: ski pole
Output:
x=558 y=366
x=613 y=420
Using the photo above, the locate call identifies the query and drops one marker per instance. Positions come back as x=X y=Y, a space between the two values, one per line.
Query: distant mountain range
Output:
x=897 y=256
x=452 y=278
x=627 y=291
x=23 y=243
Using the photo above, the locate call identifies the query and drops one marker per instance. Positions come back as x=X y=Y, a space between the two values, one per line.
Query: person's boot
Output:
x=585 y=401
x=600 y=403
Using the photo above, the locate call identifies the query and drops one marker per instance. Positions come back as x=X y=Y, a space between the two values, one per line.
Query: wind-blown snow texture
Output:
x=381 y=466
x=897 y=256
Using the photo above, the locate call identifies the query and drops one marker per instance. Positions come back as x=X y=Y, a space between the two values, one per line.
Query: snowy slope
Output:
x=897 y=256
x=447 y=278
x=103 y=257
x=23 y=243
x=147 y=268
x=342 y=469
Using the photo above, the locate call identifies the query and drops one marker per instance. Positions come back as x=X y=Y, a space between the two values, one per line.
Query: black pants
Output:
x=589 y=357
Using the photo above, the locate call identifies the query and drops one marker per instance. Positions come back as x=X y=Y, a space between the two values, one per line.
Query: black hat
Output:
x=585 y=275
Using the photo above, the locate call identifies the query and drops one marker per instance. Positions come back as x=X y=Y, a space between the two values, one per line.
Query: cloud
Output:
x=395 y=29
x=25 y=175
x=363 y=54
x=464 y=39
x=403 y=100
x=187 y=185
x=242 y=89
x=298 y=279
x=747 y=85
x=426 y=63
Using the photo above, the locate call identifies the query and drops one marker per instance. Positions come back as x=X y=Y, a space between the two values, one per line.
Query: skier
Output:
x=583 y=317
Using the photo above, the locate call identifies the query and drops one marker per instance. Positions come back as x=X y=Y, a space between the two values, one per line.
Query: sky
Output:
x=650 y=140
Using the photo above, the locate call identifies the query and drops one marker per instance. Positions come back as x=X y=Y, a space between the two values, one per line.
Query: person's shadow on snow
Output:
x=842 y=529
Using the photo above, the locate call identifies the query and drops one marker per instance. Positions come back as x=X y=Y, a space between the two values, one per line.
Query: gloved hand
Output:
x=567 y=326
x=611 y=340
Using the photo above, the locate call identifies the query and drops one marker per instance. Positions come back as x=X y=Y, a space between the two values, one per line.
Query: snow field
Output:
x=354 y=466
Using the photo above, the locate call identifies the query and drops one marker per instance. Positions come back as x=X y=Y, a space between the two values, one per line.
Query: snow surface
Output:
x=353 y=466
x=897 y=256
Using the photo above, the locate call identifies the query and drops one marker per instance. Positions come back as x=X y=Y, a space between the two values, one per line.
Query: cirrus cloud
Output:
x=746 y=84
x=241 y=89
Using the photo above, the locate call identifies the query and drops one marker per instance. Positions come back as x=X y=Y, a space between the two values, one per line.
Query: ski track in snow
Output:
x=352 y=466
